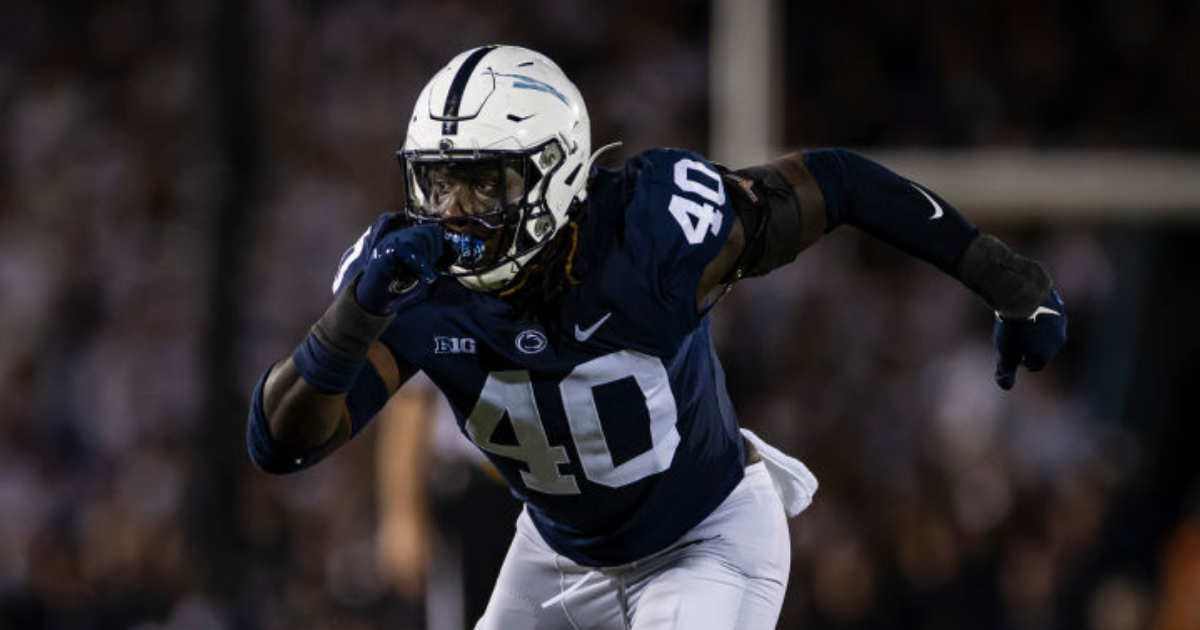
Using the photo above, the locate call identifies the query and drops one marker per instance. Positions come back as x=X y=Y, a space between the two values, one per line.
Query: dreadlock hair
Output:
x=538 y=291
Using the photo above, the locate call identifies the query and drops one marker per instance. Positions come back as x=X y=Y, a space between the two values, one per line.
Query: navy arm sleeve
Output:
x=364 y=400
x=264 y=451
x=864 y=194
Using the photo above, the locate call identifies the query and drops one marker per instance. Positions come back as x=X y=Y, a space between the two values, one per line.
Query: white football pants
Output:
x=728 y=573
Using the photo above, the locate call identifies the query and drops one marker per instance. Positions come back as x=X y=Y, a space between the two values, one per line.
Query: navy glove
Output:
x=400 y=265
x=1031 y=342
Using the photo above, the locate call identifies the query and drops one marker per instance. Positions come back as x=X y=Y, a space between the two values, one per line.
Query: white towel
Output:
x=794 y=482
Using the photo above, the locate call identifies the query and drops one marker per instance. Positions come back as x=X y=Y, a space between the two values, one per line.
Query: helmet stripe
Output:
x=458 y=86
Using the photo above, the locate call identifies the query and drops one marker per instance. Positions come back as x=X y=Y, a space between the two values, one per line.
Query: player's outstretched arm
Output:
x=787 y=205
x=307 y=405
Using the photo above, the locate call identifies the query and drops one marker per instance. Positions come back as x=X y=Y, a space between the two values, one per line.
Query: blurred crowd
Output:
x=178 y=181
x=1022 y=72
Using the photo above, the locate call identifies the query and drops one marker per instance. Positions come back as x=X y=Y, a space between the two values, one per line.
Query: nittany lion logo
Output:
x=531 y=341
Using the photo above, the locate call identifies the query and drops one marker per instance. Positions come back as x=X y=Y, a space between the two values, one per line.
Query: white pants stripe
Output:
x=728 y=573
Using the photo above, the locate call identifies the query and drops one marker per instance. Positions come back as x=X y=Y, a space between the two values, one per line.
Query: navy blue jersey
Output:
x=614 y=427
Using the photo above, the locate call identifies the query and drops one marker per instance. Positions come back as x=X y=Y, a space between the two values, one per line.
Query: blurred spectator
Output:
x=944 y=503
x=445 y=515
x=1180 y=599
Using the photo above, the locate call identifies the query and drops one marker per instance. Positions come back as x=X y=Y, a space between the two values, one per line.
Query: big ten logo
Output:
x=453 y=345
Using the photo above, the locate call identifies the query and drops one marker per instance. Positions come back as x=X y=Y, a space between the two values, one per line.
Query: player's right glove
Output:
x=401 y=263
x=1032 y=341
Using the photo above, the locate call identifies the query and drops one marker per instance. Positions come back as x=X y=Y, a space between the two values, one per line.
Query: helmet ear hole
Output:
x=542 y=226
x=548 y=158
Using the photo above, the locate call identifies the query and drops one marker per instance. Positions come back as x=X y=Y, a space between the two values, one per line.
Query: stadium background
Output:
x=177 y=181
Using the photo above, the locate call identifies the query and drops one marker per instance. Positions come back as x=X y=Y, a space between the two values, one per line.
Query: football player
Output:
x=562 y=309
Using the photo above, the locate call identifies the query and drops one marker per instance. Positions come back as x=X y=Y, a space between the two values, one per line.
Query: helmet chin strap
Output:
x=496 y=278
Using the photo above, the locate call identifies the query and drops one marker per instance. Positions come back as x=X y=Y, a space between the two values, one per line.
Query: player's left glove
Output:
x=1032 y=341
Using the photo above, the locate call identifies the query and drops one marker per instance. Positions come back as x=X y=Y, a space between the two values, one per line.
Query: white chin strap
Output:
x=494 y=279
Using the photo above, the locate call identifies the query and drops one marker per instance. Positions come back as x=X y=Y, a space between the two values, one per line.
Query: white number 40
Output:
x=511 y=393
x=696 y=217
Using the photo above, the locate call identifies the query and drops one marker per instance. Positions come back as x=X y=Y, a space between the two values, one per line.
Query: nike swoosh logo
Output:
x=937 y=209
x=582 y=335
x=1042 y=310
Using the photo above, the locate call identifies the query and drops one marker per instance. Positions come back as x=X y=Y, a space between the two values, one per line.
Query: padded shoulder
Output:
x=674 y=216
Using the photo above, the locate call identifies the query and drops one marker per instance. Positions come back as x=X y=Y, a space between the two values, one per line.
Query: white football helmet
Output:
x=504 y=127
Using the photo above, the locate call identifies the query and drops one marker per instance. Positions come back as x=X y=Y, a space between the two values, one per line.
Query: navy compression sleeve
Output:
x=864 y=194
x=364 y=400
x=264 y=451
